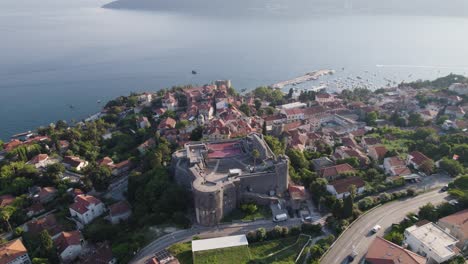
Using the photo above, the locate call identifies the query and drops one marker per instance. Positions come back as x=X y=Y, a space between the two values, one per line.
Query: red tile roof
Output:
x=459 y=219
x=333 y=171
x=119 y=208
x=72 y=161
x=342 y=186
x=106 y=161
x=11 y=250
x=167 y=123
x=297 y=192
x=6 y=200
x=382 y=251
x=418 y=157
x=38 y=158
x=82 y=202
x=12 y=145
x=380 y=151
x=369 y=141
x=48 y=223
x=66 y=239
x=396 y=161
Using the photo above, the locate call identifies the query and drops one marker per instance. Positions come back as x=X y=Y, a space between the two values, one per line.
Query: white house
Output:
x=72 y=162
x=395 y=166
x=293 y=114
x=340 y=188
x=86 y=208
x=417 y=159
x=41 y=161
x=324 y=98
x=459 y=88
x=431 y=241
x=169 y=102
x=143 y=122
x=69 y=245
x=455 y=111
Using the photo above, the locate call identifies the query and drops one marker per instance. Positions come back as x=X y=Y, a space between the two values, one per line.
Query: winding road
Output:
x=206 y=232
x=358 y=235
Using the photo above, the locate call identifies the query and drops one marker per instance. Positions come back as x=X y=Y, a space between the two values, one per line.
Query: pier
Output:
x=311 y=76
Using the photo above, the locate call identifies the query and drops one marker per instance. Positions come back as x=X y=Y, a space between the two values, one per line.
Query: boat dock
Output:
x=311 y=76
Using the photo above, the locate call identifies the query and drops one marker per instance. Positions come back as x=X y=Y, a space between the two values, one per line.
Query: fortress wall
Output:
x=208 y=207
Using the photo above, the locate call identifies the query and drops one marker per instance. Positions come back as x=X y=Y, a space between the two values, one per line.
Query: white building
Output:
x=69 y=245
x=292 y=105
x=86 y=208
x=294 y=114
x=340 y=188
x=459 y=88
x=431 y=241
x=219 y=242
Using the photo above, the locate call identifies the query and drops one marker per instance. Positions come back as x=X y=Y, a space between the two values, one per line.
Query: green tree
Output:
x=371 y=118
x=452 y=167
x=5 y=215
x=182 y=124
x=348 y=206
x=395 y=237
x=297 y=158
x=46 y=245
x=100 y=176
x=275 y=145
x=427 y=166
x=245 y=109
x=255 y=155
x=261 y=234
x=54 y=171
x=415 y=120
x=428 y=212
x=264 y=129
x=197 y=134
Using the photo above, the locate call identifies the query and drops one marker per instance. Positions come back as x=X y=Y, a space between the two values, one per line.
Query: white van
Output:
x=280 y=218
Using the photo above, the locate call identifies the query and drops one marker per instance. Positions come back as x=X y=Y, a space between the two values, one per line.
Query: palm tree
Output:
x=5 y=217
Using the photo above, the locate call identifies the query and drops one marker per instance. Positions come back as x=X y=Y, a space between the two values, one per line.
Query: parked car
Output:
x=444 y=189
x=352 y=256
x=280 y=218
x=376 y=229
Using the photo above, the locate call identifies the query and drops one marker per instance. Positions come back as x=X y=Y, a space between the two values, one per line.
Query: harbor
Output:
x=311 y=76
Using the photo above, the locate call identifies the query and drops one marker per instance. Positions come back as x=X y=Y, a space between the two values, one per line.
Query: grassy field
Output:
x=237 y=214
x=234 y=255
x=279 y=251
x=183 y=252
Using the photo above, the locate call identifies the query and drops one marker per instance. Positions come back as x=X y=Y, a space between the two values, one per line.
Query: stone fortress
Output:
x=222 y=173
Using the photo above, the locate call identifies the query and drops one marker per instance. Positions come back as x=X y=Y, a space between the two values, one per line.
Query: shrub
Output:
x=365 y=203
x=385 y=197
x=311 y=229
x=295 y=230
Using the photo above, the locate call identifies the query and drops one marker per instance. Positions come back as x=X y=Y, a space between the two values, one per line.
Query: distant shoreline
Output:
x=454 y=8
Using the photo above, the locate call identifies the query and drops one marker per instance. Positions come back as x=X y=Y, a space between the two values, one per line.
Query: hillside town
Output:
x=298 y=165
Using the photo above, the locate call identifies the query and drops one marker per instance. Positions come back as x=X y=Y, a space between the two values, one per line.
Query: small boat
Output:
x=194 y=72
x=98 y=101
x=71 y=106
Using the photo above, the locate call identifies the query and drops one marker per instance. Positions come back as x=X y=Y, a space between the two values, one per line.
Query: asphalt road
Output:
x=358 y=235
x=206 y=232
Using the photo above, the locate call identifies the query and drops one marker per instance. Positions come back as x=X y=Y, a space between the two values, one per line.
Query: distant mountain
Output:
x=300 y=7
